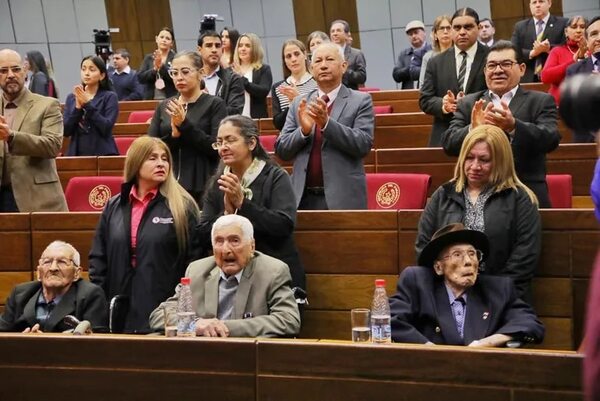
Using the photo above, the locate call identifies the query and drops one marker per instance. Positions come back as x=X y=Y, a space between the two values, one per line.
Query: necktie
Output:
x=314 y=176
x=462 y=70
x=227 y=290
x=539 y=32
x=539 y=29
x=458 y=310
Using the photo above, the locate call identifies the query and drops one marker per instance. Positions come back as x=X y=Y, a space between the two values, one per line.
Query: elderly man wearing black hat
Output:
x=444 y=301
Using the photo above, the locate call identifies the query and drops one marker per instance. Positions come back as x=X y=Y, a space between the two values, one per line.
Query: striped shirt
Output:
x=306 y=85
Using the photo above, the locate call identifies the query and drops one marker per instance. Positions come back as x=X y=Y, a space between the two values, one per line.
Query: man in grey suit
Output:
x=356 y=70
x=453 y=73
x=237 y=292
x=536 y=36
x=328 y=132
x=529 y=118
x=31 y=132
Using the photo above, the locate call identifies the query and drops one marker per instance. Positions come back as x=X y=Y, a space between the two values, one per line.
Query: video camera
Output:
x=102 y=43
x=208 y=22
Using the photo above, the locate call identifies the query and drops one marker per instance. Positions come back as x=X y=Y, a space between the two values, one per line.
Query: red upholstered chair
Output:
x=140 y=116
x=397 y=191
x=268 y=142
x=123 y=143
x=560 y=189
x=90 y=194
x=369 y=89
x=383 y=109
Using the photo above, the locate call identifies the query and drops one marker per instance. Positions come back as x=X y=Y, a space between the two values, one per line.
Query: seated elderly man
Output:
x=40 y=306
x=237 y=292
x=444 y=301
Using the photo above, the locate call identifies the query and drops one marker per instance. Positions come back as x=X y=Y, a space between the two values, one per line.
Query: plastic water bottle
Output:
x=381 y=331
x=186 y=326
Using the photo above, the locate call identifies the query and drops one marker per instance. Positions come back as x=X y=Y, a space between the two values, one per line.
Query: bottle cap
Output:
x=186 y=280
x=379 y=282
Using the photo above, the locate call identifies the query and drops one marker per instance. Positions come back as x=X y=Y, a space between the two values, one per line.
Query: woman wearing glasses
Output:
x=441 y=34
x=250 y=184
x=486 y=195
x=188 y=123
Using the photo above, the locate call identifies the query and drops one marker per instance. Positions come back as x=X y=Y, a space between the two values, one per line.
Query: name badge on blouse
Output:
x=159 y=84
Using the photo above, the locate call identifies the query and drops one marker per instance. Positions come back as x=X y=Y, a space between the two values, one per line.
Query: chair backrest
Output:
x=140 y=116
x=123 y=143
x=397 y=191
x=383 y=109
x=560 y=189
x=268 y=142
x=89 y=194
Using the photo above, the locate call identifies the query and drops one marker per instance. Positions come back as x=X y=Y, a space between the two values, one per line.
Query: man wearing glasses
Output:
x=31 y=133
x=40 y=306
x=529 y=118
x=445 y=301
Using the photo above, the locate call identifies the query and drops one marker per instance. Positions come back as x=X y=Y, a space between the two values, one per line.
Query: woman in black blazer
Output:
x=154 y=72
x=257 y=78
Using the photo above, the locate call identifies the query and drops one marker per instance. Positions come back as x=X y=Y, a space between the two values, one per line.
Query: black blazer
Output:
x=231 y=89
x=536 y=133
x=84 y=300
x=440 y=76
x=421 y=310
x=581 y=67
x=147 y=76
x=262 y=79
x=524 y=35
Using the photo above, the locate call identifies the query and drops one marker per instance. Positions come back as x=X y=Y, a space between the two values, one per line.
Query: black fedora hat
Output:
x=455 y=233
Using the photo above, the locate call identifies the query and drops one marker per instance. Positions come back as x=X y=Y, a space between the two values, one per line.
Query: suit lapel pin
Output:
x=485 y=315
x=551 y=25
x=437 y=329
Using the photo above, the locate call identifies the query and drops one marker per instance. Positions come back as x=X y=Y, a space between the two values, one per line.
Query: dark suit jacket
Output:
x=408 y=67
x=259 y=88
x=84 y=300
x=356 y=72
x=231 y=89
x=147 y=76
x=421 y=310
x=440 y=76
x=524 y=35
x=536 y=133
x=581 y=67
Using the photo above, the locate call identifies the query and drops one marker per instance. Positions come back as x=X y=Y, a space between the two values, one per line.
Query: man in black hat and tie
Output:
x=445 y=301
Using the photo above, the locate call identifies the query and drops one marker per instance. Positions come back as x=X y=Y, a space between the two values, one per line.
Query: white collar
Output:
x=545 y=19
x=331 y=95
x=126 y=70
x=470 y=51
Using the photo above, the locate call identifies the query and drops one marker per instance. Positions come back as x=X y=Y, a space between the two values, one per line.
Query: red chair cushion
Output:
x=90 y=194
x=397 y=191
x=268 y=142
x=560 y=189
x=140 y=116
x=123 y=143
x=384 y=109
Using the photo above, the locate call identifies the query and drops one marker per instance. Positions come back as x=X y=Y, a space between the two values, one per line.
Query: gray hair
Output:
x=330 y=45
x=62 y=244
x=233 y=220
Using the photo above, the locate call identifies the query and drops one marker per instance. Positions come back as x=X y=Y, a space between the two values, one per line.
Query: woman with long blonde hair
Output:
x=143 y=241
x=486 y=195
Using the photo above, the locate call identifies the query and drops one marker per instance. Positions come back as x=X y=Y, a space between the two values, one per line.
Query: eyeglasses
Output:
x=505 y=65
x=226 y=142
x=459 y=256
x=60 y=262
x=15 y=70
x=444 y=28
x=468 y=27
x=185 y=72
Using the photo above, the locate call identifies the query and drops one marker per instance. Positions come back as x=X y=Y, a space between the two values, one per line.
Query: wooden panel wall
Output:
x=317 y=15
x=506 y=13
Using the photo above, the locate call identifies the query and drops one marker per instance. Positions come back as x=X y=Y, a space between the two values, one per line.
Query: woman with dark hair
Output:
x=248 y=183
x=91 y=111
x=154 y=72
x=229 y=38
x=41 y=83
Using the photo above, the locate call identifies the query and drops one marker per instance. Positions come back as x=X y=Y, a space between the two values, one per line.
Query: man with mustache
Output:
x=40 y=306
x=529 y=118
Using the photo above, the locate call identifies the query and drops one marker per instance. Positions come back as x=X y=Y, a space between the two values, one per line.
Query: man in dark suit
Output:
x=356 y=70
x=536 y=36
x=328 y=132
x=592 y=63
x=404 y=72
x=453 y=73
x=445 y=301
x=529 y=118
x=40 y=306
x=219 y=81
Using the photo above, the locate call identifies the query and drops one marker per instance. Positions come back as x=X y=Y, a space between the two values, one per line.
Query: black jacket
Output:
x=147 y=76
x=159 y=264
x=512 y=224
x=259 y=88
x=231 y=89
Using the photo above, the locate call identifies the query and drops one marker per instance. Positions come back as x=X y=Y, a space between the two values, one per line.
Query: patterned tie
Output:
x=314 y=176
x=458 y=309
x=227 y=290
x=539 y=34
x=462 y=70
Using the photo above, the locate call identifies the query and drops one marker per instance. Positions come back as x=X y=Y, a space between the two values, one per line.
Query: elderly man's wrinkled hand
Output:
x=211 y=328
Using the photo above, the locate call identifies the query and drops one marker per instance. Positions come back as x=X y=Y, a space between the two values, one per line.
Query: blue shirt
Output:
x=458 y=306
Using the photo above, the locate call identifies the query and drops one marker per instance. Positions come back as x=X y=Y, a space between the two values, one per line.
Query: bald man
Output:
x=31 y=133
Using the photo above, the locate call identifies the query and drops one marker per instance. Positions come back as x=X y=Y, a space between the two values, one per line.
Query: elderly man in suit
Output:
x=453 y=73
x=328 y=132
x=31 y=132
x=591 y=64
x=445 y=301
x=407 y=69
x=529 y=118
x=535 y=37
x=356 y=70
x=237 y=292
x=40 y=306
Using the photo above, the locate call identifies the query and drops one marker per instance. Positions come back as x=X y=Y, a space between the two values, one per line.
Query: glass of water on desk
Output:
x=361 y=325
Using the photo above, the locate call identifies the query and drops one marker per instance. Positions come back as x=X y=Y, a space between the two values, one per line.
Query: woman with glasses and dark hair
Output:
x=153 y=73
x=486 y=195
x=188 y=123
x=250 y=184
x=91 y=111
